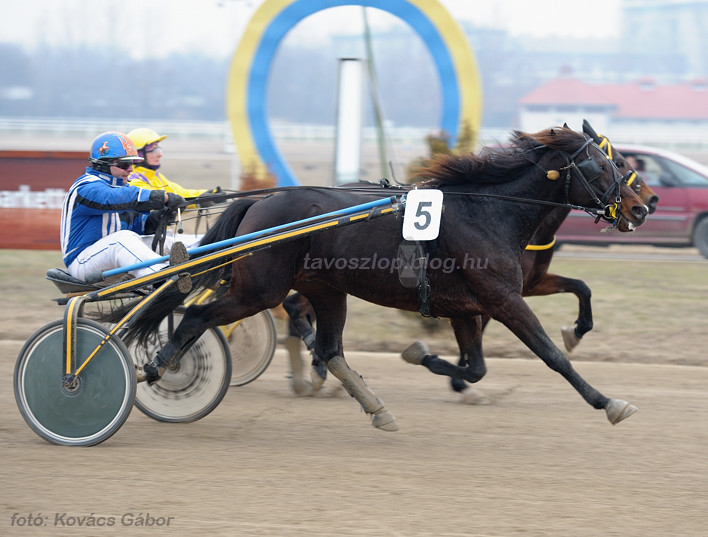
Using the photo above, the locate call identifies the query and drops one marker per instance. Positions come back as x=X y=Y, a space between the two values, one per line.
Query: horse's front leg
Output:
x=551 y=284
x=516 y=315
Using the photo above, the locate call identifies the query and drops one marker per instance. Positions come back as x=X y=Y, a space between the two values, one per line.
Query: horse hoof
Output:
x=471 y=396
x=301 y=387
x=317 y=380
x=569 y=338
x=385 y=421
x=149 y=373
x=178 y=254
x=415 y=353
x=618 y=410
x=140 y=375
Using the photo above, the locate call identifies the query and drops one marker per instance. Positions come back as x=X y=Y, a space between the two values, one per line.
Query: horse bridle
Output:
x=588 y=171
x=631 y=176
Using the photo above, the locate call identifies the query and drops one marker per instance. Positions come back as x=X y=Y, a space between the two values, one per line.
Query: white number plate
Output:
x=421 y=220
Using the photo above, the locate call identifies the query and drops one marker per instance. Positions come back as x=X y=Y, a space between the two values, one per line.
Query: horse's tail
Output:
x=227 y=224
x=203 y=276
x=224 y=228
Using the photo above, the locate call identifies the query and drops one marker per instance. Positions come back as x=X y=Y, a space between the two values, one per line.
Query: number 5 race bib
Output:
x=421 y=220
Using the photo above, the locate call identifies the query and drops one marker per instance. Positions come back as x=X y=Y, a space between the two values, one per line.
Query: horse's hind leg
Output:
x=302 y=318
x=468 y=332
x=298 y=382
x=188 y=332
x=199 y=318
x=300 y=327
x=470 y=367
x=518 y=317
x=354 y=383
x=331 y=308
x=551 y=284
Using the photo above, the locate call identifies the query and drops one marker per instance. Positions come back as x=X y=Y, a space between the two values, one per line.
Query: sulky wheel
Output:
x=98 y=403
x=252 y=341
x=195 y=386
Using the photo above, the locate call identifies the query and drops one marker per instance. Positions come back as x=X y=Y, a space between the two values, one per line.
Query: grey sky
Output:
x=157 y=28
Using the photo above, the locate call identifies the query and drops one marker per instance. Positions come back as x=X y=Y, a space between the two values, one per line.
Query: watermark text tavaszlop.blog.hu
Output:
x=409 y=263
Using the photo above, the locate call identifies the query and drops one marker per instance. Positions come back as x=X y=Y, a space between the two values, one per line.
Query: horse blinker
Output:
x=590 y=169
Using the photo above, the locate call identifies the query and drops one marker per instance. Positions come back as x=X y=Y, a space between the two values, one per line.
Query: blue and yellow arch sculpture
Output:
x=246 y=90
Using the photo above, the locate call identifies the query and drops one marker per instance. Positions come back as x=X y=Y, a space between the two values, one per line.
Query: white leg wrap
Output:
x=299 y=385
x=357 y=388
x=316 y=380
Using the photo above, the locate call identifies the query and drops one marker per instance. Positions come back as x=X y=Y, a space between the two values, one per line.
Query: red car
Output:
x=681 y=218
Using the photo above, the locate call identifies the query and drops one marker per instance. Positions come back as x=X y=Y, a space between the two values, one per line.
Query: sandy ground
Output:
x=536 y=461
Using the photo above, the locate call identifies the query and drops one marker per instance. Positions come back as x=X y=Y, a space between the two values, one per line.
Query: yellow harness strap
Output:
x=607 y=147
x=606 y=143
x=541 y=246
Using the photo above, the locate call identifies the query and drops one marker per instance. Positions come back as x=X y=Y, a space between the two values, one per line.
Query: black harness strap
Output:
x=412 y=272
x=424 y=295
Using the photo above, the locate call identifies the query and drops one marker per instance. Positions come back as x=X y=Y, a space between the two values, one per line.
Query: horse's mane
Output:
x=497 y=164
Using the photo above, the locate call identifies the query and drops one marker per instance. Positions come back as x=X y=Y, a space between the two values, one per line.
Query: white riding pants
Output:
x=121 y=249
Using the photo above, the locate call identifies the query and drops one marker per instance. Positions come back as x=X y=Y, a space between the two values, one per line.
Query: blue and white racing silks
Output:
x=99 y=204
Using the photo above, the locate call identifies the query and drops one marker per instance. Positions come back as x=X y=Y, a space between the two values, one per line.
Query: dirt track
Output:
x=536 y=461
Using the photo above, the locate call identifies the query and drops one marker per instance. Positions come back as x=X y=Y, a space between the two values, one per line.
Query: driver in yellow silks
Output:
x=147 y=176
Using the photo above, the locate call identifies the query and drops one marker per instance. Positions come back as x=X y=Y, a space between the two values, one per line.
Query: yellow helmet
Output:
x=144 y=136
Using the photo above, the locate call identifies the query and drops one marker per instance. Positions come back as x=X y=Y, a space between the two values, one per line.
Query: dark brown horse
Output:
x=539 y=253
x=537 y=281
x=492 y=206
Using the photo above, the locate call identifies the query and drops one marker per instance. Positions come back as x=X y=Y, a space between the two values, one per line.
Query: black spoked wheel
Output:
x=252 y=341
x=95 y=406
x=195 y=386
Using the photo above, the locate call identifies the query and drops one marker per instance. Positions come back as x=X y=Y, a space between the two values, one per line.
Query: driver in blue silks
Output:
x=107 y=224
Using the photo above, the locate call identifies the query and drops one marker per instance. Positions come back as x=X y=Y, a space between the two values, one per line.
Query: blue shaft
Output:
x=250 y=236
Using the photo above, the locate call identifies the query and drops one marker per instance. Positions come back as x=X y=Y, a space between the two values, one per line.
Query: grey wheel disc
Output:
x=252 y=343
x=96 y=407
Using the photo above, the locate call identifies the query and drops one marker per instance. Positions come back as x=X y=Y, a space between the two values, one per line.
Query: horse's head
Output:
x=591 y=179
x=631 y=177
x=635 y=181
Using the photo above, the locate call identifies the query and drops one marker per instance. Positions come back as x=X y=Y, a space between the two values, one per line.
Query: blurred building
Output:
x=665 y=38
x=629 y=112
x=655 y=83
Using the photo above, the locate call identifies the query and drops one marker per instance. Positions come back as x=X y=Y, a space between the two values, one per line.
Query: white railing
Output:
x=219 y=132
x=83 y=127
